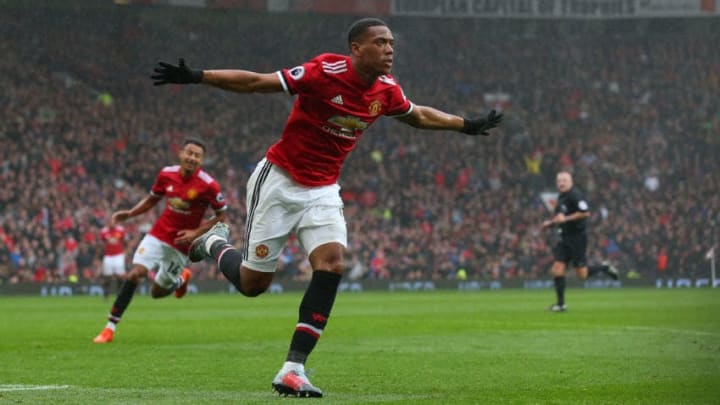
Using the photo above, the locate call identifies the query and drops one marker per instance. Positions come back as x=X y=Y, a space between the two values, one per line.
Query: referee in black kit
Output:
x=571 y=213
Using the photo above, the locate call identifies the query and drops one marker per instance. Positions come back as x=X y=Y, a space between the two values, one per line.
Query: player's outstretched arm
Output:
x=425 y=117
x=241 y=81
x=140 y=208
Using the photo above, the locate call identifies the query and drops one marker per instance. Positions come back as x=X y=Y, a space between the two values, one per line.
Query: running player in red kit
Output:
x=113 y=263
x=188 y=191
x=294 y=188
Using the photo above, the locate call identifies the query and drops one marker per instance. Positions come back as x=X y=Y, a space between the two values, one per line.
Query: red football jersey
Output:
x=333 y=108
x=187 y=200
x=114 y=240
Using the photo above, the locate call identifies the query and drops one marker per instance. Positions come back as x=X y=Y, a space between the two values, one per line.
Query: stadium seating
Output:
x=631 y=110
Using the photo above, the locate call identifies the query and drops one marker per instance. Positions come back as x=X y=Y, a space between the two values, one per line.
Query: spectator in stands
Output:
x=61 y=150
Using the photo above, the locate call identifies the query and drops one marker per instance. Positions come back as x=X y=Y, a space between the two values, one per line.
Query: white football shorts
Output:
x=113 y=265
x=152 y=253
x=278 y=206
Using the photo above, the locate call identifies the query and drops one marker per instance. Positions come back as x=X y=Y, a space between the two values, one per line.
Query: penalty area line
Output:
x=23 y=387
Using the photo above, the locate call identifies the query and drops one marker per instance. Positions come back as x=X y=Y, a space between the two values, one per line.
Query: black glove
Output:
x=481 y=126
x=181 y=74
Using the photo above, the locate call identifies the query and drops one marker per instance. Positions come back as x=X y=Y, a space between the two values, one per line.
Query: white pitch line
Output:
x=22 y=387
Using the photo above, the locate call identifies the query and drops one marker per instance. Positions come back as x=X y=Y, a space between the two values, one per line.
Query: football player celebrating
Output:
x=189 y=191
x=294 y=188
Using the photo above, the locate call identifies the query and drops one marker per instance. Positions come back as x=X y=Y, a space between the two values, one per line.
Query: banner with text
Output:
x=212 y=287
x=586 y=9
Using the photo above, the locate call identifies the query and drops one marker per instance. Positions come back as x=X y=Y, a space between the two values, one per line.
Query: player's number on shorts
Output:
x=174 y=269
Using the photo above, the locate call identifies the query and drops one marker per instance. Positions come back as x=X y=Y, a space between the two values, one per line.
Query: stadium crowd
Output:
x=631 y=109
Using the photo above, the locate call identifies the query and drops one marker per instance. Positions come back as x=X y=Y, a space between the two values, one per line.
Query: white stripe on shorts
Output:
x=253 y=205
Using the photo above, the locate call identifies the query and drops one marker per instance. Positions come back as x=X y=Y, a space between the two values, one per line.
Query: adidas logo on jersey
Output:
x=337 y=99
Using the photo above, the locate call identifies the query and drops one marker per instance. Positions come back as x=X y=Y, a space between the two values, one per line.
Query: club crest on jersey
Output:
x=374 y=108
x=192 y=194
x=261 y=251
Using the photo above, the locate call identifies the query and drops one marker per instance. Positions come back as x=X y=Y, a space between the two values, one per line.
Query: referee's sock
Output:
x=560 y=289
x=228 y=260
x=313 y=315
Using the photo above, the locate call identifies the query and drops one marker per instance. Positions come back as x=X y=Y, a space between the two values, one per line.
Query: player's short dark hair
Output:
x=360 y=27
x=194 y=141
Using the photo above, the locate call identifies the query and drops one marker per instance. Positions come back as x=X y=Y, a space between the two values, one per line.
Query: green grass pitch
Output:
x=622 y=346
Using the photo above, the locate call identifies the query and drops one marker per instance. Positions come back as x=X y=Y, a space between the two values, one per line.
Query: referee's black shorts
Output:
x=572 y=249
